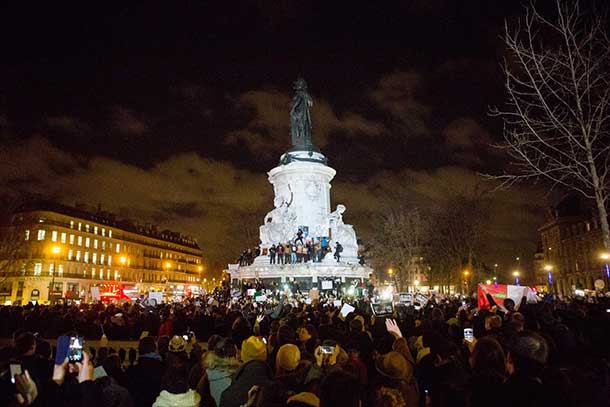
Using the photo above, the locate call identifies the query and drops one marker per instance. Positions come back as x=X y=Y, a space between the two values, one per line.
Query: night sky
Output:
x=172 y=112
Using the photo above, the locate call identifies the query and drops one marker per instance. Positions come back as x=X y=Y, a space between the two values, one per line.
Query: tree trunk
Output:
x=603 y=219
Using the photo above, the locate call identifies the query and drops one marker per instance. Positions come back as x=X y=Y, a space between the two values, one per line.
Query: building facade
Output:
x=54 y=251
x=573 y=249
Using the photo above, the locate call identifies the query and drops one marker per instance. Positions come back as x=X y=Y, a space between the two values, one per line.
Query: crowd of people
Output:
x=301 y=249
x=291 y=352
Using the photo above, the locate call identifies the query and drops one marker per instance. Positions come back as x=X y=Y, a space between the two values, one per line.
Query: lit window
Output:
x=87 y=242
x=51 y=266
x=63 y=237
x=71 y=239
x=94 y=258
x=86 y=257
x=60 y=269
x=79 y=240
x=109 y=233
x=87 y=228
x=107 y=274
x=41 y=234
x=78 y=255
x=71 y=224
x=37 y=269
x=27 y=234
x=103 y=245
x=54 y=236
x=109 y=260
x=118 y=248
x=70 y=254
x=104 y=232
x=95 y=243
x=80 y=226
x=102 y=258
x=95 y=230
x=116 y=274
x=93 y=272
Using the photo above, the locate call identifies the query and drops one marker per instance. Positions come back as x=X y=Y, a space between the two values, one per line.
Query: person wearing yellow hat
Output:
x=254 y=372
x=287 y=359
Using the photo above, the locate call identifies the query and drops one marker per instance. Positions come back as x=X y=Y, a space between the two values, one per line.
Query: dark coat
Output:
x=253 y=373
x=145 y=381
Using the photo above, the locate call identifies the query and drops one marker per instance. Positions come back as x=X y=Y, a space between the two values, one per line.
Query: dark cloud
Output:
x=397 y=94
x=68 y=124
x=267 y=131
x=467 y=141
x=127 y=122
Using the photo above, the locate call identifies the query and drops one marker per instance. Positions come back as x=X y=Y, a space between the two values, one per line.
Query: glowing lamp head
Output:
x=416 y=283
x=55 y=249
x=605 y=256
x=516 y=273
x=548 y=267
x=200 y=268
x=123 y=259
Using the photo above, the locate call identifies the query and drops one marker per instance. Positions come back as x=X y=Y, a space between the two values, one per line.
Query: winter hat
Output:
x=177 y=344
x=305 y=399
x=394 y=365
x=288 y=358
x=253 y=348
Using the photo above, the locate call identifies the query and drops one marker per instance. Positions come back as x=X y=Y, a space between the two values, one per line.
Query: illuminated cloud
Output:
x=127 y=123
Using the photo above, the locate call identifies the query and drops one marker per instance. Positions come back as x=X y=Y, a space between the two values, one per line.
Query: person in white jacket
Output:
x=175 y=390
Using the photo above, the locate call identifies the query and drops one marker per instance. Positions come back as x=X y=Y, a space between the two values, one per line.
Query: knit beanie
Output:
x=288 y=357
x=253 y=348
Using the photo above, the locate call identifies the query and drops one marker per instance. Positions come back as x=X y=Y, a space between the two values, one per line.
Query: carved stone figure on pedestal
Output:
x=279 y=224
x=300 y=117
x=343 y=233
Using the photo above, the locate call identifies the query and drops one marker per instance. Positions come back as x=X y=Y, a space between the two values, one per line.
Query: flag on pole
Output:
x=500 y=292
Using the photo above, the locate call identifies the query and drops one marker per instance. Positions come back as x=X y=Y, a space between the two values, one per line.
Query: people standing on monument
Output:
x=293 y=253
x=299 y=236
x=287 y=252
x=280 y=253
x=272 y=251
x=338 y=250
x=305 y=253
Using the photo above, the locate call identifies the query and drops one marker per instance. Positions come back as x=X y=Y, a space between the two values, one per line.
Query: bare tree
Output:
x=399 y=243
x=556 y=121
x=12 y=247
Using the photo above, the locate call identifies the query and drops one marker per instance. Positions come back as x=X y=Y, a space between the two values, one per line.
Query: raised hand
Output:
x=26 y=389
x=85 y=368
x=59 y=372
x=393 y=328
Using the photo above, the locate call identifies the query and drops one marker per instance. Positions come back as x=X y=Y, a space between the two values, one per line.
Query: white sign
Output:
x=346 y=309
x=314 y=294
x=405 y=298
x=251 y=292
x=157 y=297
x=261 y=298
x=95 y=294
x=422 y=299
x=327 y=285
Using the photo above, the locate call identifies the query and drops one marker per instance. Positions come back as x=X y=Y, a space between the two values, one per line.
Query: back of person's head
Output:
x=304 y=399
x=213 y=340
x=285 y=334
x=437 y=314
x=528 y=353
x=163 y=344
x=131 y=355
x=43 y=349
x=509 y=304
x=488 y=357
x=25 y=344
x=389 y=397
x=112 y=363
x=273 y=395
x=355 y=325
x=253 y=348
x=338 y=389
x=147 y=345
x=175 y=378
x=493 y=322
x=287 y=359
x=102 y=354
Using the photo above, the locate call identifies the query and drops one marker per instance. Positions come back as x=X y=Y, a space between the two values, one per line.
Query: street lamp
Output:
x=605 y=257
x=55 y=252
x=516 y=275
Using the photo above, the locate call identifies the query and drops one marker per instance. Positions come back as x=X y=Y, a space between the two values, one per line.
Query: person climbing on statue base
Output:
x=338 y=250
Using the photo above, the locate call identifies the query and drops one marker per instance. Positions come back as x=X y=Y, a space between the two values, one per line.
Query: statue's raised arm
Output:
x=300 y=116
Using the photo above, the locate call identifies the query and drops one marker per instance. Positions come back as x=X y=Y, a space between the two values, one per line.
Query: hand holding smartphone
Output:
x=468 y=335
x=71 y=347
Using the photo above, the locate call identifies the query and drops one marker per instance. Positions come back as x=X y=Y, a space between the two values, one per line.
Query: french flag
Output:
x=500 y=292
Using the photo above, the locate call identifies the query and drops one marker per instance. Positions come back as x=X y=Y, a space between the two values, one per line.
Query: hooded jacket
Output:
x=255 y=372
x=166 y=399
x=219 y=381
